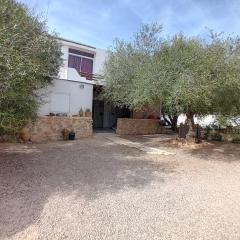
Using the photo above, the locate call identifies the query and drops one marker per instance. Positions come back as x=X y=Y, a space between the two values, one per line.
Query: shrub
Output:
x=29 y=58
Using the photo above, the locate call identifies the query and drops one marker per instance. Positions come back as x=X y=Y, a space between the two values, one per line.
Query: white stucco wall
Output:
x=100 y=57
x=67 y=96
x=74 y=76
x=204 y=121
x=63 y=69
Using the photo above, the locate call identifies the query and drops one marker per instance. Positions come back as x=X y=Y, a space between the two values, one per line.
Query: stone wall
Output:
x=50 y=128
x=147 y=113
x=131 y=126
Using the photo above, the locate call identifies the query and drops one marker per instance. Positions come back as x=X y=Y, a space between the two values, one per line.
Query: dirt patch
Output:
x=182 y=143
x=97 y=189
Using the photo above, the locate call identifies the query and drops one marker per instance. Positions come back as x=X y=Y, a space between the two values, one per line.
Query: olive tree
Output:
x=29 y=58
x=205 y=76
x=186 y=75
x=128 y=64
x=134 y=76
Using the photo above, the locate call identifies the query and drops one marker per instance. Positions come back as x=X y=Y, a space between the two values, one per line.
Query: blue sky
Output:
x=98 y=22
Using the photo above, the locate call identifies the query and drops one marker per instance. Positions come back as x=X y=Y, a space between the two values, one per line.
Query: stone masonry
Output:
x=131 y=126
x=50 y=128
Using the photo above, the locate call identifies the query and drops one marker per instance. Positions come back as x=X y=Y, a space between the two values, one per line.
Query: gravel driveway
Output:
x=97 y=188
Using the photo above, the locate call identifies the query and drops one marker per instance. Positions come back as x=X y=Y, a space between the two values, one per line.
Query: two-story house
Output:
x=78 y=83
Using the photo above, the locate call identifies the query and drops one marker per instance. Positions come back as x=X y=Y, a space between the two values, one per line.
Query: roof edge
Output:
x=71 y=41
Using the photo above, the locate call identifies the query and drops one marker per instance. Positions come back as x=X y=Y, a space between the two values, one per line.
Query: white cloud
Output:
x=98 y=22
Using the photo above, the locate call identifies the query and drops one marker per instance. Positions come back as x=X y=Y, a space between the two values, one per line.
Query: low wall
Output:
x=50 y=128
x=227 y=135
x=131 y=126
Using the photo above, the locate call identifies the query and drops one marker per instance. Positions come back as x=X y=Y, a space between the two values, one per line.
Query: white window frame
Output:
x=81 y=56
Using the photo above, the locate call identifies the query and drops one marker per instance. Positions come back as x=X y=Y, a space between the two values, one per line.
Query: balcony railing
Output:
x=92 y=76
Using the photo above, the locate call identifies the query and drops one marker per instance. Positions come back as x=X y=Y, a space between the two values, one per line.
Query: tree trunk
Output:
x=174 y=120
x=191 y=126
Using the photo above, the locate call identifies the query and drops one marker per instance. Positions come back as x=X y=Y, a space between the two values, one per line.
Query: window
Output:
x=82 y=62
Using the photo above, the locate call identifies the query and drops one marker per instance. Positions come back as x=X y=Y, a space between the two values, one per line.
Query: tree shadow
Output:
x=226 y=152
x=149 y=139
x=89 y=168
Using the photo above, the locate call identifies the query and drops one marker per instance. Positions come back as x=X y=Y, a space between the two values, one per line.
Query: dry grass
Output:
x=186 y=144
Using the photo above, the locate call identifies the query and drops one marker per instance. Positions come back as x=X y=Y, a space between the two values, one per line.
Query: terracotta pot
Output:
x=88 y=114
x=65 y=133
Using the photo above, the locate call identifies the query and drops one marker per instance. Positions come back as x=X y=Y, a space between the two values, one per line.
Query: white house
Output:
x=77 y=85
x=73 y=88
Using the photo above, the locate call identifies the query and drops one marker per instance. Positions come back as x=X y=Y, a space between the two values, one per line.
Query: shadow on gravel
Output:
x=227 y=152
x=148 y=139
x=90 y=168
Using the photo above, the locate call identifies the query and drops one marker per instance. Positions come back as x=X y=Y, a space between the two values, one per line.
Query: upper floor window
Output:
x=82 y=62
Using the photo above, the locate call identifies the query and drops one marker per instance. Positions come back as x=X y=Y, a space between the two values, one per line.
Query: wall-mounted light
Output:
x=81 y=86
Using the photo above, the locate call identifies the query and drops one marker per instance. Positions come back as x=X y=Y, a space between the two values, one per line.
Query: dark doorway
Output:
x=105 y=115
x=98 y=113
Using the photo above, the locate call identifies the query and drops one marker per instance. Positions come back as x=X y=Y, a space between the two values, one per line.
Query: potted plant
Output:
x=80 y=112
x=88 y=113
x=65 y=134
x=71 y=135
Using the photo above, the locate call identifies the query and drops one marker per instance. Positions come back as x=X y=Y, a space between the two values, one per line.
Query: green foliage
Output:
x=178 y=77
x=187 y=75
x=127 y=66
x=227 y=121
x=29 y=58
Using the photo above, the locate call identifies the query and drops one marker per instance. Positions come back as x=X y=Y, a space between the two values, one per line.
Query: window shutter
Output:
x=74 y=62
x=87 y=67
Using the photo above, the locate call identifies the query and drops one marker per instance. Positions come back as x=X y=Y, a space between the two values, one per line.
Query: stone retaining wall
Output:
x=50 y=128
x=131 y=126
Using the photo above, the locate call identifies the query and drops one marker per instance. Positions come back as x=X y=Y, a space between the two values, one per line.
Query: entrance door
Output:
x=98 y=113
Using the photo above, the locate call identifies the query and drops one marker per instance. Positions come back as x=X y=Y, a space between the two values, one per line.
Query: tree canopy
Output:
x=130 y=65
x=29 y=58
x=186 y=75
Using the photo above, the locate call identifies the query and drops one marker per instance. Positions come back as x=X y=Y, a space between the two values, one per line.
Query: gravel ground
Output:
x=98 y=189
